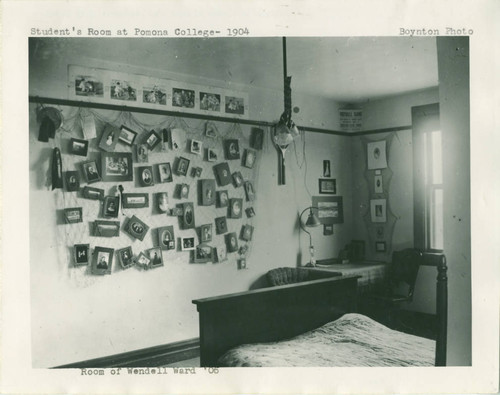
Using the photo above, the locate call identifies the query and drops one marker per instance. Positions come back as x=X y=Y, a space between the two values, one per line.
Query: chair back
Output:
x=404 y=268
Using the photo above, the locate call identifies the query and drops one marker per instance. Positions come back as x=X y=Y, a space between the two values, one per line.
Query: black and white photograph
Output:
x=81 y=252
x=305 y=299
x=87 y=85
x=72 y=179
x=73 y=215
x=78 y=147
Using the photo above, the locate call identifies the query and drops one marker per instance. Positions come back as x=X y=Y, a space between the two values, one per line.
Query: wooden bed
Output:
x=282 y=312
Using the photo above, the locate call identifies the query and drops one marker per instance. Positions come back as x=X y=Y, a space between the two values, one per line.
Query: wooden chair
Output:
x=398 y=288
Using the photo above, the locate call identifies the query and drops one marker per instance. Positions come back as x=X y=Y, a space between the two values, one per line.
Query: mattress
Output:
x=353 y=340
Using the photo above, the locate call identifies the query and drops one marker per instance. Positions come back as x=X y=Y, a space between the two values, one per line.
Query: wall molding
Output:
x=146 y=357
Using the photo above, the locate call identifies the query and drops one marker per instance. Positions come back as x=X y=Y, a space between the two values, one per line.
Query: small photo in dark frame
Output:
x=142 y=153
x=196 y=147
x=72 y=179
x=257 y=138
x=143 y=261
x=165 y=172
x=188 y=219
x=136 y=228
x=116 y=166
x=235 y=207
x=183 y=191
x=232 y=149
x=135 y=200
x=223 y=174
x=246 y=232
x=146 y=176
x=92 y=193
x=187 y=244
x=250 y=211
x=220 y=225
x=109 y=138
x=78 y=147
x=203 y=253
x=327 y=229
x=249 y=191
x=250 y=157
x=73 y=215
x=91 y=172
x=127 y=135
x=237 y=179
x=328 y=186
x=222 y=199
x=155 y=256
x=102 y=260
x=182 y=166
x=206 y=233
x=380 y=246
x=212 y=155
x=232 y=242
x=242 y=263
x=152 y=139
x=207 y=191
x=111 y=206
x=166 y=237
x=125 y=257
x=81 y=254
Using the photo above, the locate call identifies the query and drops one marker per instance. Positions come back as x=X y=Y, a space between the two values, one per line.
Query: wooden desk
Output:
x=372 y=273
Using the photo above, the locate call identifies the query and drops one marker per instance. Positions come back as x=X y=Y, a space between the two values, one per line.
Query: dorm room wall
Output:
x=132 y=310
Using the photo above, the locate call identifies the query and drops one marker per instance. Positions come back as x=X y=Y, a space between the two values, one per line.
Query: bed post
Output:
x=441 y=310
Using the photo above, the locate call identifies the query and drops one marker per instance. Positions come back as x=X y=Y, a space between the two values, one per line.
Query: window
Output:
x=427 y=178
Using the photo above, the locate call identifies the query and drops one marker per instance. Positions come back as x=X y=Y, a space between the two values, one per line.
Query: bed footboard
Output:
x=271 y=314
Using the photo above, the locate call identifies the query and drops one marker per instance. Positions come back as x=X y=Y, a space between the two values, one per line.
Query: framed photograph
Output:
x=220 y=225
x=155 y=257
x=123 y=90
x=154 y=95
x=109 y=138
x=152 y=139
x=81 y=254
x=92 y=193
x=232 y=149
x=380 y=246
x=222 y=199
x=243 y=249
x=327 y=169
x=249 y=191
x=242 y=263
x=212 y=155
x=250 y=156
x=250 y=211
x=143 y=261
x=177 y=138
x=162 y=201
x=237 y=179
x=165 y=139
x=146 y=176
x=203 y=253
x=183 y=98
x=206 y=233
x=235 y=105
x=166 y=237
x=196 y=147
x=73 y=215
x=106 y=228
x=222 y=173
x=209 y=102
x=246 y=232
x=111 y=206
x=257 y=138
x=376 y=155
x=220 y=254
x=135 y=200
x=136 y=228
x=90 y=171
x=328 y=186
x=330 y=209
x=235 y=207
x=196 y=171
x=183 y=191
x=102 y=260
x=378 y=186
x=187 y=215
x=176 y=212
x=207 y=192
x=187 y=244
x=127 y=135
x=211 y=129
x=78 y=147
x=378 y=210
x=231 y=242
x=116 y=166
x=328 y=229
x=125 y=257
x=90 y=86
x=182 y=166
x=165 y=172
x=72 y=181
x=142 y=153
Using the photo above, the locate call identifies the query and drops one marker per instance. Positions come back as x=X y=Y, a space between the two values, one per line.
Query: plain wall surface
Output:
x=78 y=318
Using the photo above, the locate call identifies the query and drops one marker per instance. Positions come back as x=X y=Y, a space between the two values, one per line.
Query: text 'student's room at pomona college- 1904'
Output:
x=275 y=202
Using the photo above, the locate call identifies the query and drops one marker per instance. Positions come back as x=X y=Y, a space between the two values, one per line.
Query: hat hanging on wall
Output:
x=50 y=120
x=285 y=131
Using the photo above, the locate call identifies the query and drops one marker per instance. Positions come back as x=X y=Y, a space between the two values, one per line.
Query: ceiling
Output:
x=346 y=69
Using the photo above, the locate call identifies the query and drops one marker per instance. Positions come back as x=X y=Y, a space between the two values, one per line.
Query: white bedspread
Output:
x=352 y=340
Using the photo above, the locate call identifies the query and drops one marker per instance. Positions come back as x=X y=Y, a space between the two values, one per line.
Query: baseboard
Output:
x=146 y=357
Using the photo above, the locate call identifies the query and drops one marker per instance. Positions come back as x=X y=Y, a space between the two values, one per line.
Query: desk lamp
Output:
x=311 y=222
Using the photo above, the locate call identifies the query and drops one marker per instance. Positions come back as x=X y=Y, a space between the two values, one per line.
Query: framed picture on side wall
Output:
x=116 y=166
x=378 y=210
x=328 y=186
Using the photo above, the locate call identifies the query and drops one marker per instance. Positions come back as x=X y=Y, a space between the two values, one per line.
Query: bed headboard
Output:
x=271 y=314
